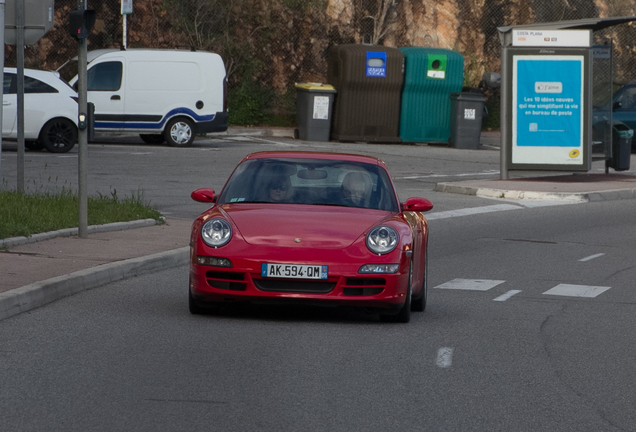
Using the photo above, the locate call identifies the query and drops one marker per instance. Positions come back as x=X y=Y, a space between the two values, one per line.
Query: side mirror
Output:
x=417 y=204
x=204 y=195
x=617 y=105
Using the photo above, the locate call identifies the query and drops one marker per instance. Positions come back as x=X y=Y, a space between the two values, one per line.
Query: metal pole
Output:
x=19 y=45
x=124 y=30
x=82 y=136
x=2 y=21
x=504 y=115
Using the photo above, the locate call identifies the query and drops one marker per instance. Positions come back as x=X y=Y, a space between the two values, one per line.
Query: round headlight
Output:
x=216 y=232
x=382 y=239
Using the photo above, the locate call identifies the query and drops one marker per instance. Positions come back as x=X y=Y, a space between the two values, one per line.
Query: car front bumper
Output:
x=344 y=285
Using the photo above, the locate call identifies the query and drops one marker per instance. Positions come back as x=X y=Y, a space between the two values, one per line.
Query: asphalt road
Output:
x=529 y=325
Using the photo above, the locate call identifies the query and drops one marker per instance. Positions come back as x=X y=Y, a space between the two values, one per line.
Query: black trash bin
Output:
x=621 y=146
x=314 y=105
x=467 y=110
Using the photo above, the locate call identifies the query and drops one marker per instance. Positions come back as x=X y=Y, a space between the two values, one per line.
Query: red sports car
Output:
x=319 y=228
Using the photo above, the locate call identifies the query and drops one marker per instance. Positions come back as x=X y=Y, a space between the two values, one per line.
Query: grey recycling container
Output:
x=621 y=146
x=467 y=111
x=314 y=105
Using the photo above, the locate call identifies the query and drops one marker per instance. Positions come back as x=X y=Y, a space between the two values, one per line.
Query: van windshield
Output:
x=68 y=70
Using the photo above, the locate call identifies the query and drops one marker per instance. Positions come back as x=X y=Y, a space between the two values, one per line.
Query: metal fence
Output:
x=268 y=45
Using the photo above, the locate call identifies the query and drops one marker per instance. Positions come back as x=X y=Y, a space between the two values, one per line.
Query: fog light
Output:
x=213 y=261
x=379 y=268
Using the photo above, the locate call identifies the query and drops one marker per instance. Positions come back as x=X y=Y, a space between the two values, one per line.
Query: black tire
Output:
x=34 y=145
x=152 y=138
x=419 y=303
x=179 y=132
x=194 y=307
x=404 y=315
x=58 y=135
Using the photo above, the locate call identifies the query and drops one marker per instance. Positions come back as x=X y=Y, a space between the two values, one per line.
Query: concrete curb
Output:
x=116 y=226
x=37 y=294
x=277 y=132
x=512 y=194
x=608 y=195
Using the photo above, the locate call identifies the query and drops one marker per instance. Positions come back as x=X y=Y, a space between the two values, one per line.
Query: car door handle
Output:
x=115 y=97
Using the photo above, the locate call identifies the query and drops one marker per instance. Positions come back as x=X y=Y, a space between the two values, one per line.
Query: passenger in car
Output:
x=356 y=189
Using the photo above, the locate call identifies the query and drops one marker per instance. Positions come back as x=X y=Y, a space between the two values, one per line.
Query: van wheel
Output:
x=179 y=133
x=58 y=135
x=152 y=138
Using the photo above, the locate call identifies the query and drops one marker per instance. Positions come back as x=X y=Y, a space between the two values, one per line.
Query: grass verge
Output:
x=28 y=214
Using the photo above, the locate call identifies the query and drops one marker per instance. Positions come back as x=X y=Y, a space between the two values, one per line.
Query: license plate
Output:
x=294 y=271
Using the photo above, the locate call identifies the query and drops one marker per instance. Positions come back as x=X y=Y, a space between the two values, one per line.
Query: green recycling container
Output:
x=431 y=75
x=368 y=79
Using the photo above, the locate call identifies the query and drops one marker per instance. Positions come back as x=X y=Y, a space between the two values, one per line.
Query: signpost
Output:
x=126 y=9
x=80 y=25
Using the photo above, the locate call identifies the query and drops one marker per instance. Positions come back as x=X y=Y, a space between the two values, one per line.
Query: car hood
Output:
x=303 y=226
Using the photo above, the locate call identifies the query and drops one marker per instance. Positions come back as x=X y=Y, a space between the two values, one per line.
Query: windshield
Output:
x=68 y=70
x=310 y=181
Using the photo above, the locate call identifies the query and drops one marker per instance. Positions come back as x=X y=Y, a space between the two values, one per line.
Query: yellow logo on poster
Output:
x=574 y=153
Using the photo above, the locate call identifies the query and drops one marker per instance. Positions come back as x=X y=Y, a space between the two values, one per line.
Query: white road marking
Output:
x=507 y=295
x=576 y=290
x=591 y=257
x=471 y=211
x=444 y=357
x=470 y=284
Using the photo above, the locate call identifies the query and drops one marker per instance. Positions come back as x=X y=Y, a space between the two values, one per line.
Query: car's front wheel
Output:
x=419 y=303
x=194 y=307
x=179 y=132
x=58 y=135
x=404 y=315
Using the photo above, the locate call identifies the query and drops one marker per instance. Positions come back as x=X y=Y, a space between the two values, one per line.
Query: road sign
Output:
x=38 y=20
x=126 y=7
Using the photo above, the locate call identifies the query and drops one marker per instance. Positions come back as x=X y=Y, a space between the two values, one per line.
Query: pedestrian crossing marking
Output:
x=576 y=290
x=507 y=295
x=470 y=284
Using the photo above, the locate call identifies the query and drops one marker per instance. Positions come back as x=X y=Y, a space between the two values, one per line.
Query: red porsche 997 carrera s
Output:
x=310 y=227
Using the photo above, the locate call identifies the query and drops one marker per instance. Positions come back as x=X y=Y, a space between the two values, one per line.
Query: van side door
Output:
x=106 y=90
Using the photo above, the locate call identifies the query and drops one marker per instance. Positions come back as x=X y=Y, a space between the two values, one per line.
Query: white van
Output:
x=161 y=94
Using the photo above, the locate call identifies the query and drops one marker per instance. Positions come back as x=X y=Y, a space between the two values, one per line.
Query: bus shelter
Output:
x=550 y=96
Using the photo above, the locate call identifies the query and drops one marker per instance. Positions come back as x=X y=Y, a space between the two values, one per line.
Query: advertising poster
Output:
x=548 y=112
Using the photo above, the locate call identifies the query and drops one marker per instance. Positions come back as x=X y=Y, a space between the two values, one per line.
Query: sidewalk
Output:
x=568 y=187
x=37 y=273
